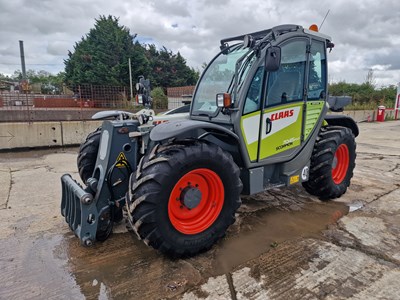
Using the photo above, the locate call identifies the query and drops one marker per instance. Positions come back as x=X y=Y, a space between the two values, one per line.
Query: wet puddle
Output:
x=355 y=205
x=30 y=269
x=122 y=267
x=125 y=268
x=262 y=231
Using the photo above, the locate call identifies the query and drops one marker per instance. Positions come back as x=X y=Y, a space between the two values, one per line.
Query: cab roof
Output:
x=273 y=33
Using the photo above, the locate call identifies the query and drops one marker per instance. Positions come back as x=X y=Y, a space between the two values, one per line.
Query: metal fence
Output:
x=80 y=102
x=179 y=96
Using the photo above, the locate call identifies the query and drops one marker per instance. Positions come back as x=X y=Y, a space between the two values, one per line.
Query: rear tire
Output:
x=87 y=156
x=171 y=179
x=332 y=163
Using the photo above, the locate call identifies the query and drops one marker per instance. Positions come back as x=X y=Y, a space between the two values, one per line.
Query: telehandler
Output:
x=258 y=120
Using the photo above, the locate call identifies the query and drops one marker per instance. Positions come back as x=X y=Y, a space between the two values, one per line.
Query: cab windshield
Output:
x=219 y=78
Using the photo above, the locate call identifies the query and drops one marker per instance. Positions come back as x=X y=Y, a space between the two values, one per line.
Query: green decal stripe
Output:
x=252 y=150
x=253 y=147
x=314 y=109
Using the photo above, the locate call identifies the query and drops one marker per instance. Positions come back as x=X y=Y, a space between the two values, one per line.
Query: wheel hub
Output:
x=334 y=162
x=196 y=201
x=191 y=197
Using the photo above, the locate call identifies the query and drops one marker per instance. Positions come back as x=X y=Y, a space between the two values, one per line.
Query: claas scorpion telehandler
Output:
x=258 y=120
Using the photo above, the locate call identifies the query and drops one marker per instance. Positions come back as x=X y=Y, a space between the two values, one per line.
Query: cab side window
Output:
x=253 y=98
x=317 y=72
x=286 y=84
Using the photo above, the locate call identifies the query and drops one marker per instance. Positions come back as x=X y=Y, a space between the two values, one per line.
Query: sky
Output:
x=366 y=33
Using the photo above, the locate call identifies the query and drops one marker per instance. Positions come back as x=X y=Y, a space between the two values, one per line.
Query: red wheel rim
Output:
x=340 y=164
x=209 y=185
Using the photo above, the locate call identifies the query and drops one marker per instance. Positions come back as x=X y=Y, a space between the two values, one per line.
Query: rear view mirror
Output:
x=273 y=58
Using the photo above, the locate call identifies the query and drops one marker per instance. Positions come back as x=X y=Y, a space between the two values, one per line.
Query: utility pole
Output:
x=21 y=51
x=130 y=78
x=397 y=102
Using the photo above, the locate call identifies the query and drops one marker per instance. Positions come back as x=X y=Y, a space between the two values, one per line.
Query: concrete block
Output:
x=360 y=115
x=28 y=135
x=75 y=132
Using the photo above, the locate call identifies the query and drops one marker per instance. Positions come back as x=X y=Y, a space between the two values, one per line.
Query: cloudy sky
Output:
x=366 y=32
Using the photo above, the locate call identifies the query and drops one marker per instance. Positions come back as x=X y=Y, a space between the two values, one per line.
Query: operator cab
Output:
x=269 y=88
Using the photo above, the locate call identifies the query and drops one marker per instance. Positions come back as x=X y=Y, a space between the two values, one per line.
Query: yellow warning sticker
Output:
x=294 y=179
x=121 y=160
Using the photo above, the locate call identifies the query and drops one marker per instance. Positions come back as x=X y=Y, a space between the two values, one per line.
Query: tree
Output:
x=183 y=75
x=370 y=78
x=160 y=100
x=4 y=77
x=169 y=69
x=3 y=82
x=47 y=82
x=365 y=94
x=101 y=57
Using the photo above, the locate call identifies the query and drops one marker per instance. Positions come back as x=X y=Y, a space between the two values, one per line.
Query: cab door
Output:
x=250 y=120
x=282 y=116
x=317 y=86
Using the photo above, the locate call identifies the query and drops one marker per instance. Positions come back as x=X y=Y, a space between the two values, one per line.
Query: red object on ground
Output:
x=381 y=114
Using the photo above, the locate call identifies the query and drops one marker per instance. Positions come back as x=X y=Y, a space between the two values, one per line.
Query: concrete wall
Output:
x=44 y=134
x=63 y=133
x=361 y=115
x=76 y=132
x=25 y=114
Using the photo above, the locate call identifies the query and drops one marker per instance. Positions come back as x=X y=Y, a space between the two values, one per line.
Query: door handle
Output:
x=269 y=126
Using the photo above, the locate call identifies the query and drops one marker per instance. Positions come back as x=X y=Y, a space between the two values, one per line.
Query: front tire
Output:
x=183 y=197
x=87 y=156
x=332 y=163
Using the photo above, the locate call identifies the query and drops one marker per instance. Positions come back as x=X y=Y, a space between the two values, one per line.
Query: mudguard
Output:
x=337 y=103
x=101 y=115
x=345 y=121
x=177 y=128
x=122 y=115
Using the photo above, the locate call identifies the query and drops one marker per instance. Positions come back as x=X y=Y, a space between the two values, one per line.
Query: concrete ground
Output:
x=284 y=245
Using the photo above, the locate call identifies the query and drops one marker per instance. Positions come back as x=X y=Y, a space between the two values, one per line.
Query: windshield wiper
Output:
x=241 y=69
x=209 y=116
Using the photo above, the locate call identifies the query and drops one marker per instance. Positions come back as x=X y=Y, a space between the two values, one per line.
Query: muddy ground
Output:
x=284 y=245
